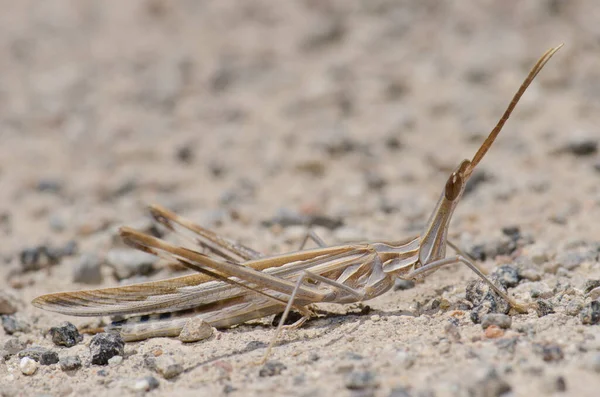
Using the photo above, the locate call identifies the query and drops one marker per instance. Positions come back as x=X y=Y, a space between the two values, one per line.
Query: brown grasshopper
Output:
x=235 y=284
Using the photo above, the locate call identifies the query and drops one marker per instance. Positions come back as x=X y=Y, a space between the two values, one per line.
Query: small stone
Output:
x=360 y=380
x=500 y=320
x=66 y=334
x=13 y=324
x=115 y=361
x=485 y=300
x=146 y=383
x=579 y=145
x=538 y=253
x=590 y=313
x=69 y=363
x=569 y=260
x=49 y=186
x=194 y=330
x=127 y=263
x=87 y=269
x=543 y=308
x=7 y=303
x=14 y=345
x=590 y=285
x=452 y=332
x=402 y=285
x=28 y=366
x=40 y=354
x=507 y=275
x=549 y=352
x=104 y=346
x=493 y=332
x=530 y=274
x=490 y=385
x=574 y=307
x=271 y=368
x=36 y=258
x=168 y=366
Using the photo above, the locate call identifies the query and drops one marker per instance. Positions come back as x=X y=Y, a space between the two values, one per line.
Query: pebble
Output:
x=69 y=363
x=580 y=146
x=538 y=253
x=530 y=274
x=498 y=319
x=590 y=285
x=36 y=258
x=28 y=366
x=7 y=303
x=127 y=263
x=549 y=352
x=194 y=330
x=168 y=366
x=490 y=385
x=452 y=332
x=493 y=332
x=87 y=269
x=40 y=354
x=507 y=275
x=66 y=334
x=360 y=380
x=590 y=313
x=402 y=285
x=14 y=345
x=484 y=300
x=13 y=324
x=271 y=368
x=574 y=307
x=543 y=308
x=115 y=361
x=570 y=260
x=146 y=383
x=104 y=346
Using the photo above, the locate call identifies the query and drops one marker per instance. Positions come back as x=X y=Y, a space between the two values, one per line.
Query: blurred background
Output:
x=256 y=117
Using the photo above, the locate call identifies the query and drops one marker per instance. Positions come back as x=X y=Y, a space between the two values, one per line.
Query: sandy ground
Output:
x=233 y=112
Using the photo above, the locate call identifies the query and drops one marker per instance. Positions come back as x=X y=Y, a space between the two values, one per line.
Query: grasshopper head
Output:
x=455 y=186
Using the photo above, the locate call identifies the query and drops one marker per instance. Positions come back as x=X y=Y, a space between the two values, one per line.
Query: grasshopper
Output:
x=234 y=283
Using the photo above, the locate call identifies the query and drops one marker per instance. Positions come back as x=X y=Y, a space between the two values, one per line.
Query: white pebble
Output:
x=115 y=360
x=28 y=366
x=195 y=329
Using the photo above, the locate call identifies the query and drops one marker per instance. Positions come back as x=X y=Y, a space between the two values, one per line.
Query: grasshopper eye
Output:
x=454 y=186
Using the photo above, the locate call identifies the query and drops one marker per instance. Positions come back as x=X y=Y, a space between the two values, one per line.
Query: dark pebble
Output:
x=286 y=217
x=500 y=320
x=507 y=275
x=87 y=269
x=12 y=324
x=49 y=186
x=271 y=368
x=66 y=334
x=590 y=285
x=128 y=263
x=104 y=346
x=360 y=380
x=185 y=154
x=590 y=314
x=69 y=363
x=549 y=352
x=543 y=308
x=401 y=285
x=484 y=300
x=399 y=392
x=40 y=354
x=35 y=258
x=491 y=385
x=514 y=232
x=561 y=384
x=581 y=146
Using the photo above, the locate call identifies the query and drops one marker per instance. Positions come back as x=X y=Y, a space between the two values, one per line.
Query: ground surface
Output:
x=233 y=113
